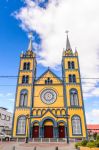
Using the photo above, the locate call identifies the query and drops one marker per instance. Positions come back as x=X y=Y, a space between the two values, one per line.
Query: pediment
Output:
x=48 y=75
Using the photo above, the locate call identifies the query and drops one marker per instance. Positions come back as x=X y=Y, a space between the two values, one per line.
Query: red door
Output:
x=35 y=131
x=48 y=131
x=61 y=131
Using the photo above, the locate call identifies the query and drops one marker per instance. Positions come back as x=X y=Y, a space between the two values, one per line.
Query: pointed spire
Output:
x=30 y=47
x=68 y=47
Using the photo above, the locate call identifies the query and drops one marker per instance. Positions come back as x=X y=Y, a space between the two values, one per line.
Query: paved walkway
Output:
x=39 y=146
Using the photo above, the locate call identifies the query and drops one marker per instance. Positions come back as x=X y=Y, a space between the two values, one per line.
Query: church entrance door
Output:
x=61 y=130
x=48 y=131
x=35 y=131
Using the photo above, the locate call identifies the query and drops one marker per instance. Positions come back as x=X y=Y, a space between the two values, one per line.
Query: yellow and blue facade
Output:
x=54 y=105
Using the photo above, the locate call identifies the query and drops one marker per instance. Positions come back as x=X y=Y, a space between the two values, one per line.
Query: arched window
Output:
x=21 y=125
x=73 y=97
x=76 y=125
x=23 y=98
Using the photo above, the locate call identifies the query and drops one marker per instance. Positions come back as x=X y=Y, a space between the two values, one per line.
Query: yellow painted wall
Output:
x=37 y=96
x=57 y=108
x=19 y=112
x=80 y=113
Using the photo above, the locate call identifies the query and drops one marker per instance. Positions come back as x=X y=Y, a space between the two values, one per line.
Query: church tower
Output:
x=73 y=97
x=24 y=92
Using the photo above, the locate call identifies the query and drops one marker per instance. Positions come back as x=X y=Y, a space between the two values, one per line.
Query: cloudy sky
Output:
x=49 y=20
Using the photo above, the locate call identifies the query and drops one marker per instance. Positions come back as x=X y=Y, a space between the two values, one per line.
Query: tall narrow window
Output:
x=72 y=78
x=74 y=97
x=71 y=65
x=25 y=79
x=76 y=125
x=26 y=66
x=23 y=98
x=21 y=124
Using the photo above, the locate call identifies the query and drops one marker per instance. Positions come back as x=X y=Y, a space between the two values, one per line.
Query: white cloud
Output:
x=92 y=117
x=81 y=18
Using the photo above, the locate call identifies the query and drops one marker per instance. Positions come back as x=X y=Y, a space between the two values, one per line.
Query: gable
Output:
x=48 y=75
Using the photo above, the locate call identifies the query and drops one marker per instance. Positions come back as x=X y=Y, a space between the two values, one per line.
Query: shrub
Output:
x=97 y=143
x=77 y=145
x=95 y=135
x=90 y=144
x=97 y=138
x=91 y=140
x=84 y=143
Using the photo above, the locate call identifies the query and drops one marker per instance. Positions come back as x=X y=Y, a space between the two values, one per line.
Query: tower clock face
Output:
x=48 y=96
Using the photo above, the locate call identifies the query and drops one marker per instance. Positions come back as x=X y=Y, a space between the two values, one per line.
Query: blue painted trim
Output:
x=82 y=101
x=69 y=56
x=80 y=125
x=62 y=121
x=20 y=97
x=48 y=118
x=35 y=121
x=32 y=93
x=46 y=85
x=17 y=124
x=15 y=101
x=77 y=97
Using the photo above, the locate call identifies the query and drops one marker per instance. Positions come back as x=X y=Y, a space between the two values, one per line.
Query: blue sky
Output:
x=46 y=37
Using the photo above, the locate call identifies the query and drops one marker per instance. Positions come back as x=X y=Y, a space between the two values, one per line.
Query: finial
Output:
x=68 y=47
x=31 y=35
x=67 y=32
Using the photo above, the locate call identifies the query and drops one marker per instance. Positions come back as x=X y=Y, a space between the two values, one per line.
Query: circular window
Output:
x=48 y=96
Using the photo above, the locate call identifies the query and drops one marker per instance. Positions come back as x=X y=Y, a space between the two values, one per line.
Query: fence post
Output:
x=35 y=148
x=56 y=148
x=13 y=148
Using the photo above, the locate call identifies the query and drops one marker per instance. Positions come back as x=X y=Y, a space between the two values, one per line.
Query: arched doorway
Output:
x=35 y=131
x=48 y=129
x=61 y=130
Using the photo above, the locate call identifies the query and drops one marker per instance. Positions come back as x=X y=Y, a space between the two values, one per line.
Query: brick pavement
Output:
x=39 y=146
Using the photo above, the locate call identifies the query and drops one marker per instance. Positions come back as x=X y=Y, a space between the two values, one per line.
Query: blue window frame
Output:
x=73 y=97
x=26 y=66
x=23 y=98
x=21 y=125
x=76 y=125
x=71 y=65
x=72 y=78
x=25 y=79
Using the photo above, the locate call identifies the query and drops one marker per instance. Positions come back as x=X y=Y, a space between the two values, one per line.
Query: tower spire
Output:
x=68 y=46
x=30 y=46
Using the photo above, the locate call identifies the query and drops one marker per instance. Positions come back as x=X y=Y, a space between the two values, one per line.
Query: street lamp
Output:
x=27 y=122
x=67 y=117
